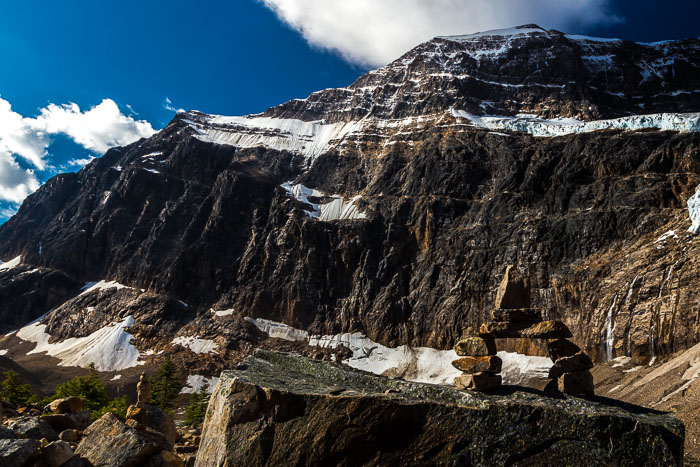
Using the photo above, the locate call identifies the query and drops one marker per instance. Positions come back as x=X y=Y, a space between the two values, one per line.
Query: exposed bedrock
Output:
x=587 y=217
x=280 y=409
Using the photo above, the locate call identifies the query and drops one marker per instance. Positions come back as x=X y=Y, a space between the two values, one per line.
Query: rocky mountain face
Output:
x=390 y=207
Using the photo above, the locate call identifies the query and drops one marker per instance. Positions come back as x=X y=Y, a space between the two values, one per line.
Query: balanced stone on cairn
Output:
x=476 y=347
x=514 y=291
x=562 y=348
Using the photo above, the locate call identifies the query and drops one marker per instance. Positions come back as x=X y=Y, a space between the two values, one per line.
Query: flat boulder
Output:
x=32 y=427
x=275 y=409
x=15 y=452
x=478 y=381
x=516 y=314
x=578 y=362
x=111 y=442
x=526 y=329
x=476 y=347
x=65 y=405
x=560 y=348
x=577 y=382
x=7 y=433
x=490 y=364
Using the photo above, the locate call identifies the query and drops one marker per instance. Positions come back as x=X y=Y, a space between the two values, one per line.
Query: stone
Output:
x=7 y=433
x=525 y=329
x=57 y=453
x=67 y=421
x=32 y=427
x=490 y=364
x=517 y=314
x=16 y=452
x=577 y=382
x=514 y=290
x=143 y=389
x=69 y=435
x=547 y=330
x=578 y=362
x=561 y=348
x=478 y=381
x=154 y=418
x=276 y=412
x=109 y=441
x=65 y=405
x=552 y=386
x=476 y=347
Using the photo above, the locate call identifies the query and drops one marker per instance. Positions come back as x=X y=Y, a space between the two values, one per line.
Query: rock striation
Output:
x=279 y=409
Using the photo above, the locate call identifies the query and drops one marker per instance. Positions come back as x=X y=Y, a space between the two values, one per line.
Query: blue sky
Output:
x=230 y=57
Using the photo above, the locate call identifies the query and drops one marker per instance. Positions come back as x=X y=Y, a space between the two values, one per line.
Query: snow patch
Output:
x=223 y=312
x=109 y=348
x=3 y=352
x=310 y=139
x=694 y=211
x=419 y=364
x=195 y=383
x=116 y=378
x=537 y=126
x=10 y=264
x=102 y=285
x=338 y=209
x=279 y=330
x=666 y=236
x=197 y=345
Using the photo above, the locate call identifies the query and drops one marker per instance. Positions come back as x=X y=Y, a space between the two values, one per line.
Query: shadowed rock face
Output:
x=281 y=409
x=202 y=226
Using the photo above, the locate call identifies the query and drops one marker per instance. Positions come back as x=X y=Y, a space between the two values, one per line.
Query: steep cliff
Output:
x=390 y=207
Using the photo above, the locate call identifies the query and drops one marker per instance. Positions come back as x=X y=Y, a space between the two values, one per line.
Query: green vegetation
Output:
x=166 y=386
x=13 y=390
x=93 y=391
x=195 y=412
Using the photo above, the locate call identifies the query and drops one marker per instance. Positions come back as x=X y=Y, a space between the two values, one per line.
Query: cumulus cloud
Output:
x=27 y=139
x=16 y=183
x=373 y=33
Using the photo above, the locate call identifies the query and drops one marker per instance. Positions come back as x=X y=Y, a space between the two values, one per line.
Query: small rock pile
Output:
x=29 y=438
x=512 y=317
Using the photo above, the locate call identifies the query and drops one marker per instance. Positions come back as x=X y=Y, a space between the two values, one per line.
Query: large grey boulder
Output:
x=109 y=442
x=281 y=409
x=32 y=427
x=15 y=452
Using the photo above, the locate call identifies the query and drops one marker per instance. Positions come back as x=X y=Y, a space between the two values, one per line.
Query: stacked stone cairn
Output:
x=512 y=317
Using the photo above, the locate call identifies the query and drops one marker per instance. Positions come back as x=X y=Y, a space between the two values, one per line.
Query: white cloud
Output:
x=80 y=162
x=168 y=105
x=97 y=129
x=15 y=183
x=375 y=32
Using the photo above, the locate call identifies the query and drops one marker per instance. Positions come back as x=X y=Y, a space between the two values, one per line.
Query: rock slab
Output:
x=111 y=442
x=276 y=410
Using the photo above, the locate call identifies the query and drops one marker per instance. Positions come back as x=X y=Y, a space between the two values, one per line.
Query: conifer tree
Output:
x=89 y=388
x=13 y=390
x=166 y=386
x=195 y=412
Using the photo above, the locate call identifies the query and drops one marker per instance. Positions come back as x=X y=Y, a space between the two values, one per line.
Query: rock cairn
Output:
x=512 y=317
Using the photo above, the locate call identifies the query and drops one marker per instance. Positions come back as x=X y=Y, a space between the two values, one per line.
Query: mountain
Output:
x=388 y=208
